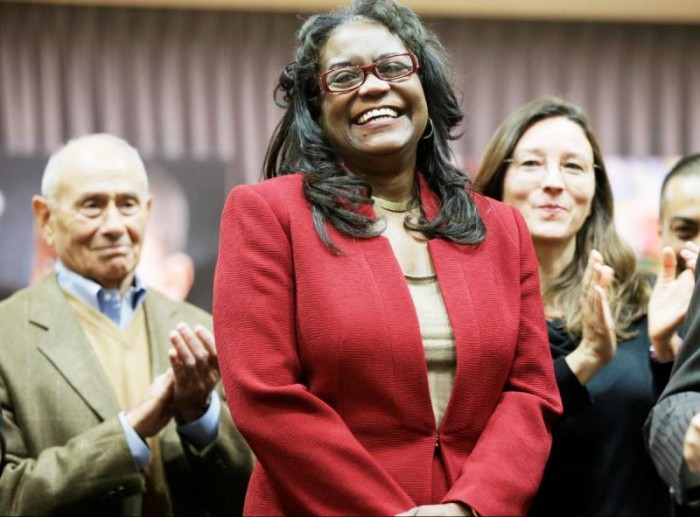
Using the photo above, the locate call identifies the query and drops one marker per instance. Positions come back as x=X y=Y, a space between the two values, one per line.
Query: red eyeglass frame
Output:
x=366 y=70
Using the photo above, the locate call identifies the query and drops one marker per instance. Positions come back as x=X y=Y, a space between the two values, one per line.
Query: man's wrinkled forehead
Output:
x=681 y=195
x=96 y=161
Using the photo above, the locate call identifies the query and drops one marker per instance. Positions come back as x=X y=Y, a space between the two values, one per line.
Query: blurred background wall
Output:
x=195 y=86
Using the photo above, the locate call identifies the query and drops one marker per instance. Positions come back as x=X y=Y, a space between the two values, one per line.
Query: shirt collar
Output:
x=89 y=291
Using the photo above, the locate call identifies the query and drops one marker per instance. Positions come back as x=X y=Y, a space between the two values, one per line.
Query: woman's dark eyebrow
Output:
x=339 y=64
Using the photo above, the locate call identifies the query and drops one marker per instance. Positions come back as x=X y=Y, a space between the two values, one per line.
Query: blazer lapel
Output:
x=63 y=342
x=457 y=269
x=402 y=329
x=160 y=320
x=401 y=332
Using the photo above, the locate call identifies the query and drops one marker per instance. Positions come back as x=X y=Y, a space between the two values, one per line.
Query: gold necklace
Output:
x=392 y=206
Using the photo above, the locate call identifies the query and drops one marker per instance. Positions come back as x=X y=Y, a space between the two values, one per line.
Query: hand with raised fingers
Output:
x=598 y=342
x=153 y=414
x=669 y=301
x=195 y=369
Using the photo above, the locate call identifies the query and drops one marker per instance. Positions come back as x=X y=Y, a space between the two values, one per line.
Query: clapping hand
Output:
x=184 y=389
x=151 y=415
x=669 y=301
x=195 y=369
x=598 y=342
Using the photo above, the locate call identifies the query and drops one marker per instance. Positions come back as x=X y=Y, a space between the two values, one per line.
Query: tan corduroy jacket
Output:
x=67 y=452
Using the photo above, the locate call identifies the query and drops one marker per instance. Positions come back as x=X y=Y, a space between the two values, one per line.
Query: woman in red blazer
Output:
x=380 y=328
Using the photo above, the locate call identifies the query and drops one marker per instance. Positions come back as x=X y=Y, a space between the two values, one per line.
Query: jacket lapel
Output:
x=400 y=331
x=404 y=332
x=457 y=269
x=63 y=342
x=160 y=320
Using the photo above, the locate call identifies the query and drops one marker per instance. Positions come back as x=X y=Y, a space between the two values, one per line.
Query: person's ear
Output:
x=148 y=207
x=42 y=218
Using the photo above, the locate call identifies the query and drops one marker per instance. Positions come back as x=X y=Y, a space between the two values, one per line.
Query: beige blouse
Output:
x=438 y=340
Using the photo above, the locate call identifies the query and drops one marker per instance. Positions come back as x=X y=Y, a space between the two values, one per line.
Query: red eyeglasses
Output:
x=348 y=78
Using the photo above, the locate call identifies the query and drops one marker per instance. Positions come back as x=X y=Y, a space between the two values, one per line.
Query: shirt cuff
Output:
x=139 y=449
x=205 y=429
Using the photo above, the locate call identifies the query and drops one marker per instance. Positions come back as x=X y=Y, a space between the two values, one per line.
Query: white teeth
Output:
x=375 y=113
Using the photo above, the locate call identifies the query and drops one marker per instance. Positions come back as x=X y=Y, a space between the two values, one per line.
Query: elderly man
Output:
x=108 y=388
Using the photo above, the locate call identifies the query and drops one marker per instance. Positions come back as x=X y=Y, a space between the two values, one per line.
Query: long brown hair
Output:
x=629 y=293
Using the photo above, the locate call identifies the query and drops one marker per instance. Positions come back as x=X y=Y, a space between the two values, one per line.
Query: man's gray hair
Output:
x=54 y=166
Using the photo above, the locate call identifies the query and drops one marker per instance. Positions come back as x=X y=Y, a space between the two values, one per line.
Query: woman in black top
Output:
x=545 y=160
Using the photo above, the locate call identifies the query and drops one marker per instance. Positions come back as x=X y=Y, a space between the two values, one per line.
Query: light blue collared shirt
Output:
x=120 y=310
x=107 y=301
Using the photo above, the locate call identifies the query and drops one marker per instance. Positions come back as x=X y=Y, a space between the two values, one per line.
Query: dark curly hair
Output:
x=300 y=144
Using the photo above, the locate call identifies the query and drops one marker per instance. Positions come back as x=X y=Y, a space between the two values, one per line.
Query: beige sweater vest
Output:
x=126 y=360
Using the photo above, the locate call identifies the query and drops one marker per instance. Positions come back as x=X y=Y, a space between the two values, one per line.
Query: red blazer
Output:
x=323 y=363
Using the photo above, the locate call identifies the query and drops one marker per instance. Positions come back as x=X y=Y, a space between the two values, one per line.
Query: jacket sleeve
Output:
x=503 y=472
x=313 y=461
x=215 y=477
x=58 y=480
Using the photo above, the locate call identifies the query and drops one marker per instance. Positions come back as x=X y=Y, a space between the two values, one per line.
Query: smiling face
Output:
x=97 y=218
x=552 y=181
x=379 y=119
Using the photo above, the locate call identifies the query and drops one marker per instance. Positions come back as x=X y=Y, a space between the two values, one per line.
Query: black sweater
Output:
x=599 y=464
